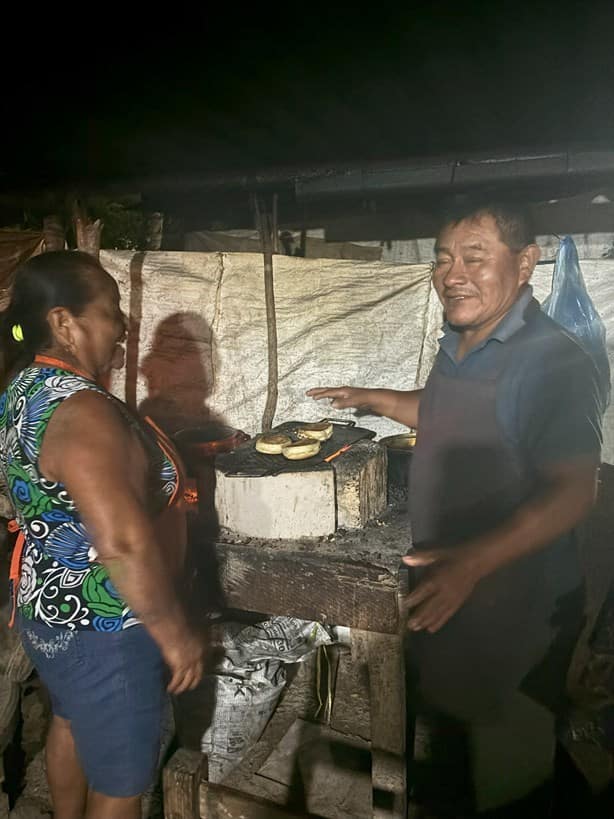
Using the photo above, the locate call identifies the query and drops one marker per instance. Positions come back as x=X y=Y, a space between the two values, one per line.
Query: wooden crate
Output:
x=369 y=730
x=188 y=795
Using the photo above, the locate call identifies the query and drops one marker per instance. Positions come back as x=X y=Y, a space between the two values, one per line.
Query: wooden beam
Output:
x=218 y=802
x=308 y=585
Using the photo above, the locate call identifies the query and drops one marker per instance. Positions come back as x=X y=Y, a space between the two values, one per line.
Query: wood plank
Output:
x=298 y=700
x=181 y=784
x=387 y=694
x=361 y=484
x=351 y=704
x=329 y=773
x=309 y=585
x=9 y=711
x=218 y=802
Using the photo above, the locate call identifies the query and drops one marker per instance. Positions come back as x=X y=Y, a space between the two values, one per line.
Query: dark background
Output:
x=97 y=93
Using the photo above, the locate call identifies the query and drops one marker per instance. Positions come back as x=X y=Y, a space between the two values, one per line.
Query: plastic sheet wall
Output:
x=198 y=345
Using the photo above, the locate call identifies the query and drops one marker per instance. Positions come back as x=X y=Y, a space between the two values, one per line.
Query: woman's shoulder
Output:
x=43 y=391
x=51 y=385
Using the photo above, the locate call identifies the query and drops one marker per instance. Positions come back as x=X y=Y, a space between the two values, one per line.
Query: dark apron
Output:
x=465 y=480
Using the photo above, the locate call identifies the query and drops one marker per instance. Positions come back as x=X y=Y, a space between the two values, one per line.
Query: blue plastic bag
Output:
x=570 y=305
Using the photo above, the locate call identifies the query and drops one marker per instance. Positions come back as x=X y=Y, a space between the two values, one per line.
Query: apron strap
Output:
x=15 y=569
x=166 y=445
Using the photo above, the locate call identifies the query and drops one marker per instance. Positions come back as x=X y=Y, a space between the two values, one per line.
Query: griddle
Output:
x=246 y=461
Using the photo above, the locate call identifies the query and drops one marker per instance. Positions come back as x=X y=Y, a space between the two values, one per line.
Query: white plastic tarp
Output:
x=202 y=340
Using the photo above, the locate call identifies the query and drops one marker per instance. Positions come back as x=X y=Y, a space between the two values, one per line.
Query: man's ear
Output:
x=62 y=324
x=527 y=259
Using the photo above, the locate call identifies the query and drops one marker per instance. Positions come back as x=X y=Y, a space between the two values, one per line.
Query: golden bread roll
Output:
x=301 y=449
x=272 y=443
x=319 y=431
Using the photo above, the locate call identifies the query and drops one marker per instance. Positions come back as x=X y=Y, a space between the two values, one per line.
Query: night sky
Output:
x=223 y=91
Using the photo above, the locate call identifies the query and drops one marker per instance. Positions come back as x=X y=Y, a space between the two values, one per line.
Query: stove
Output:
x=271 y=497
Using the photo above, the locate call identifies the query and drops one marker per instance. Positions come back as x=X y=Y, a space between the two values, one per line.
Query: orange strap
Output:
x=61 y=365
x=169 y=450
x=15 y=570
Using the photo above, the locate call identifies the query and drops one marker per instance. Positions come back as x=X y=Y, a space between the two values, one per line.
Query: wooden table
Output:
x=352 y=579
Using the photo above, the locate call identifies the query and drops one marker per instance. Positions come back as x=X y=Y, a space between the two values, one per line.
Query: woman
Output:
x=95 y=495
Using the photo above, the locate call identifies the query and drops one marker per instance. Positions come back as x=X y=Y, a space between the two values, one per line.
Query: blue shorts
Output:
x=110 y=687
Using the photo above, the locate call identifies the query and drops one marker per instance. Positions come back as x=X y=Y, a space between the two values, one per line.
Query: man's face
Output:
x=477 y=276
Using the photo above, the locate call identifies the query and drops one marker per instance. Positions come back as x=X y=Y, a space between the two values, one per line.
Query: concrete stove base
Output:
x=294 y=505
x=291 y=505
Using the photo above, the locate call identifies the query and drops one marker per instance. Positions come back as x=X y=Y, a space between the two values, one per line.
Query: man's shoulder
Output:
x=542 y=341
x=544 y=361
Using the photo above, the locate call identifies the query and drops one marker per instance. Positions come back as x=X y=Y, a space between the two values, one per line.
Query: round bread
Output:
x=301 y=449
x=272 y=443
x=319 y=431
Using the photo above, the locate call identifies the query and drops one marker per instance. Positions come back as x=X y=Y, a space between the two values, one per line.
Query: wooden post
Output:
x=154 y=231
x=386 y=668
x=53 y=231
x=265 y=229
x=275 y=224
x=181 y=785
x=9 y=710
x=87 y=233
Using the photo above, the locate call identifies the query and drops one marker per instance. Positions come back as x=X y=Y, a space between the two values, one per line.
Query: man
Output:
x=505 y=466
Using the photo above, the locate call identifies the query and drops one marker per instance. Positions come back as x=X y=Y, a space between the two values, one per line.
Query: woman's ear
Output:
x=62 y=324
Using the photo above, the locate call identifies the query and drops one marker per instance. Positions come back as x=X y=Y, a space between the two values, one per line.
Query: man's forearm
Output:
x=398 y=405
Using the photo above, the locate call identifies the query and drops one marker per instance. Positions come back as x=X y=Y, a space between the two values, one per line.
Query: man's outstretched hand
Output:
x=341 y=397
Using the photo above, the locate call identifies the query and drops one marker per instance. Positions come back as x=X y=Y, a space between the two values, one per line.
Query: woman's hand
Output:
x=185 y=660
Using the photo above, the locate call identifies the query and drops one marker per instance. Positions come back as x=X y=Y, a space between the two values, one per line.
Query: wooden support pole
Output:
x=275 y=224
x=53 y=231
x=264 y=221
x=386 y=668
x=154 y=231
x=87 y=233
x=181 y=785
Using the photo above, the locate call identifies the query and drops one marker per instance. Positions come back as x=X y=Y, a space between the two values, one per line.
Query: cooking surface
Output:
x=245 y=461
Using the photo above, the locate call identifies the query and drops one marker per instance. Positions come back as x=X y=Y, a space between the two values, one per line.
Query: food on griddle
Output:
x=299 y=450
x=272 y=443
x=318 y=431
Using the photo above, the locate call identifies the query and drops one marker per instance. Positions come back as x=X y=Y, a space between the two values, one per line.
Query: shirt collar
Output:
x=511 y=322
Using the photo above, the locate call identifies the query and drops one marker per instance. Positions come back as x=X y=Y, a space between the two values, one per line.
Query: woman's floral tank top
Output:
x=62 y=583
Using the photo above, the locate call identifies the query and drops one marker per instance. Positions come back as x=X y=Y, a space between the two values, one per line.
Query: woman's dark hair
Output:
x=62 y=278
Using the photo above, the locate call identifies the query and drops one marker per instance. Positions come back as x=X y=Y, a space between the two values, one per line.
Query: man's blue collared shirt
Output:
x=547 y=399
